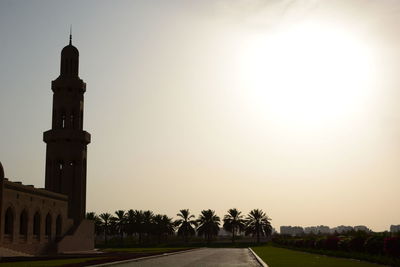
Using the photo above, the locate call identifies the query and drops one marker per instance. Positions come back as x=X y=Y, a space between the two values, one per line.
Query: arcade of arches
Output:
x=31 y=217
x=10 y=220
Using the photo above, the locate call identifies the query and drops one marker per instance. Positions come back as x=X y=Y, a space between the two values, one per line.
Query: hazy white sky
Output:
x=287 y=106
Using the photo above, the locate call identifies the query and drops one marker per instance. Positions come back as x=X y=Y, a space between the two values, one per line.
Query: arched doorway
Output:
x=36 y=225
x=9 y=223
x=48 y=225
x=23 y=224
x=58 y=226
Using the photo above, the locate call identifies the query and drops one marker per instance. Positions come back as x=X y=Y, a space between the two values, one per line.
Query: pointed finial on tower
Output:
x=1 y=172
x=70 y=34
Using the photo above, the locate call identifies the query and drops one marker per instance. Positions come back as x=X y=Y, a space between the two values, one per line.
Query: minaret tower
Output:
x=67 y=142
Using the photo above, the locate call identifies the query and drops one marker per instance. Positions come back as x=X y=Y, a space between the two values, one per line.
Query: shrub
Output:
x=331 y=243
x=299 y=243
x=344 y=243
x=392 y=246
x=357 y=243
x=309 y=243
x=374 y=244
x=320 y=243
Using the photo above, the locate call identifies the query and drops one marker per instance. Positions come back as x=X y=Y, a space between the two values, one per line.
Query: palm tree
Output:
x=90 y=215
x=162 y=226
x=167 y=225
x=105 y=217
x=234 y=222
x=148 y=222
x=130 y=222
x=258 y=224
x=138 y=223
x=120 y=221
x=186 y=224
x=208 y=224
x=113 y=227
x=157 y=226
x=96 y=220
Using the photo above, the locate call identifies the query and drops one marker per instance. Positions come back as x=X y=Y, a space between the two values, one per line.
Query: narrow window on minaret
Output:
x=72 y=165
x=63 y=121
x=71 y=118
x=60 y=174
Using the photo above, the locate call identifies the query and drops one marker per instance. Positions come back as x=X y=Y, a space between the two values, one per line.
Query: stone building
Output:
x=291 y=230
x=395 y=228
x=52 y=219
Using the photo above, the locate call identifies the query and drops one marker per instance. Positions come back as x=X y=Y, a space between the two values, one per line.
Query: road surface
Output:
x=207 y=257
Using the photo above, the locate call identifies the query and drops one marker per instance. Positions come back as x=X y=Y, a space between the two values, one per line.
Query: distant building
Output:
x=291 y=230
x=361 y=228
x=395 y=228
x=223 y=233
x=342 y=229
x=322 y=229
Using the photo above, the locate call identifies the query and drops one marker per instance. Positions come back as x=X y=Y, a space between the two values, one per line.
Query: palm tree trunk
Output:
x=105 y=234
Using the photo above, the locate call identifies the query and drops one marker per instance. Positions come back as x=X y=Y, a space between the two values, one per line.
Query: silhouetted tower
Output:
x=66 y=150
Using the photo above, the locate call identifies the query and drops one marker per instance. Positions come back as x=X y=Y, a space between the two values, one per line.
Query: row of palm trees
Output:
x=146 y=224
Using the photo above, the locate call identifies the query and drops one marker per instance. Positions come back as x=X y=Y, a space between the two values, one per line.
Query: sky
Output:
x=286 y=106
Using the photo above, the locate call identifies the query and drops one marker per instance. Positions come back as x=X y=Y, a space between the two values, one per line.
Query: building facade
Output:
x=291 y=230
x=321 y=229
x=395 y=228
x=52 y=219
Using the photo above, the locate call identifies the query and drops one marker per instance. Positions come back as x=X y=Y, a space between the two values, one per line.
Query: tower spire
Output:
x=70 y=34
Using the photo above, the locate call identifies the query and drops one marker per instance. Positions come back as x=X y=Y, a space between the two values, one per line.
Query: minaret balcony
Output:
x=56 y=135
x=67 y=84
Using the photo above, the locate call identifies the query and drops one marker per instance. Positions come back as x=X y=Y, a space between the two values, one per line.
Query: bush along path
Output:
x=282 y=257
x=374 y=247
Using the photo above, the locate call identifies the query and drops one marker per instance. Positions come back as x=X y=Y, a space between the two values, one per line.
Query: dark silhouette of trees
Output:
x=120 y=221
x=208 y=224
x=105 y=223
x=163 y=226
x=186 y=224
x=258 y=224
x=138 y=224
x=130 y=222
x=96 y=220
x=148 y=223
x=234 y=222
x=147 y=227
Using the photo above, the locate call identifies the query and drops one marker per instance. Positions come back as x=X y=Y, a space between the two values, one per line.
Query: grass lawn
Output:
x=145 y=250
x=45 y=263
x=280 y=257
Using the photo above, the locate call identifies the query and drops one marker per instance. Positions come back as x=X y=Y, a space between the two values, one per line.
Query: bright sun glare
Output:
x=308 y=75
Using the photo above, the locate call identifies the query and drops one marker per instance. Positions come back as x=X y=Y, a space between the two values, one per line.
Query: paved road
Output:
x=202 y=257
